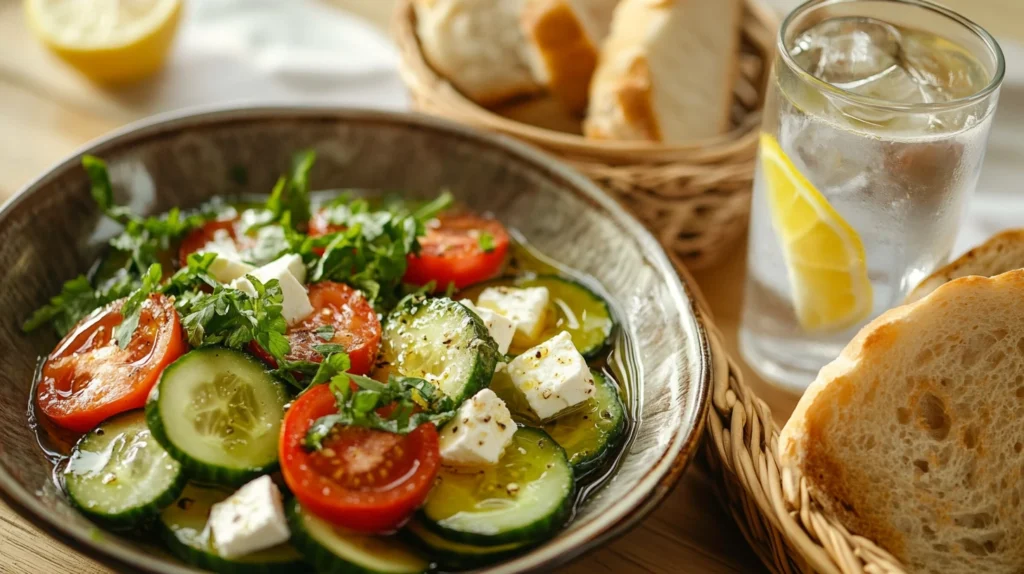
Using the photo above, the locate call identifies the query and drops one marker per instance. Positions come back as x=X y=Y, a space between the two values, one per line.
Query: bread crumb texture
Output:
x=914 y=436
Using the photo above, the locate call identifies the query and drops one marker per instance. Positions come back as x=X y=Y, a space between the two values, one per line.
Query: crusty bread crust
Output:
x=631 y=98
x=914 y=435
x=1002 y=252
x=563 y=50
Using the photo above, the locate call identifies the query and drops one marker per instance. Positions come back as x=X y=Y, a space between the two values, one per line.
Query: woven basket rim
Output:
x=787 y=527
x=759 y=25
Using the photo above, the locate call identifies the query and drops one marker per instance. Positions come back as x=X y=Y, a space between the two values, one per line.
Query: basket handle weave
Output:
x=785 y=526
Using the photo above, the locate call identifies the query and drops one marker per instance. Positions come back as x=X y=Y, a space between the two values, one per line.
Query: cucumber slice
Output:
x=441 y=341
x=573 y=308
x=456 y=554
x=524 y=498
x=119 y=475
x=335 y=551
x=218 y=412
x=183 y=528
x=589 y=433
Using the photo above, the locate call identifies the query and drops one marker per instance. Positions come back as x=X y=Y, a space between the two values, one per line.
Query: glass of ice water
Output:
x=874 y=130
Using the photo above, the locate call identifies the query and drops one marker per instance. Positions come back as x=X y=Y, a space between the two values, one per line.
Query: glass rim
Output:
x=881 y=104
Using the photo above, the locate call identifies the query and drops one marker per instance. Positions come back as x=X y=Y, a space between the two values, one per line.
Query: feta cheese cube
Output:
x=295 y=305
x=291 y=263
x=226 y=269
x=479 y=433
x=527 y=308
x=502 y=329
x=228 y=265
x=251 y=519
x=553 y=376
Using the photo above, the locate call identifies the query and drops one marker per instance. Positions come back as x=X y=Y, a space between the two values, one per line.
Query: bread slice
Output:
x=666 y=72
x=1002 y=252
x=563 y=38
x=478 y=45
x=914 y=436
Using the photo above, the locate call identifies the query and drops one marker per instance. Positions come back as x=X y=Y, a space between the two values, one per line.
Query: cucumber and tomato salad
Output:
x=157 y=414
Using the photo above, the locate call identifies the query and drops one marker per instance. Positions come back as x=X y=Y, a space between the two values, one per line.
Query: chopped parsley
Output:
x=486 y=242
x=415 y=402
x=368 y=251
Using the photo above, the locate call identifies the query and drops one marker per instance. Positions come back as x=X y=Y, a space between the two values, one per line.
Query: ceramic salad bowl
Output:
x=52 y=231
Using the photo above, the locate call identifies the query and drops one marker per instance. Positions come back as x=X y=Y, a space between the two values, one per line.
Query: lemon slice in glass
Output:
x=824 y=255
x=110 y=41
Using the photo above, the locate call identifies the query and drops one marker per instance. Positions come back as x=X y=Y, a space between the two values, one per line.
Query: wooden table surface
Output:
x=47 y=111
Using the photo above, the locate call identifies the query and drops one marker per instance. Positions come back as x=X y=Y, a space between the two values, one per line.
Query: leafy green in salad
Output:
x=412 y=402
x=367 y=249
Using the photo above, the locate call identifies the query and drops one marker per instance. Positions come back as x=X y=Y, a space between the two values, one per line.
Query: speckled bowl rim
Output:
x=625 y=513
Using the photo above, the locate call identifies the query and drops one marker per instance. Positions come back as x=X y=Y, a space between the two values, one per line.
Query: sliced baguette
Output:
x=563 y=38
x=666 y=71
x=914 y=436
x=1002 y=252
x=478 y=45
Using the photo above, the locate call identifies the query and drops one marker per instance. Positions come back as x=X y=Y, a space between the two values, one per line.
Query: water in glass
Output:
x=883 y=184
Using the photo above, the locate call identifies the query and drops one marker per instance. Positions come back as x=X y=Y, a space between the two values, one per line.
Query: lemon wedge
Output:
x=110 y=41
x=824 y=255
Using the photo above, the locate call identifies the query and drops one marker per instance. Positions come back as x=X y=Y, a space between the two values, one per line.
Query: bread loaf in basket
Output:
x=695 y=197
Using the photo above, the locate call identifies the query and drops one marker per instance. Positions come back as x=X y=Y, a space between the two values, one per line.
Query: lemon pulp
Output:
x=824 y=255
x=109 y=41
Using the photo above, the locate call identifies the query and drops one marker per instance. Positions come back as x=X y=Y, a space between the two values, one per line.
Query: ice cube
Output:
x=942 y=69
x=844 y=50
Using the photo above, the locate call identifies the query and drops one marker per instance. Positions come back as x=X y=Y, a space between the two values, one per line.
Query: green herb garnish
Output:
x=359 y=407
x=486 y=242
x=370 y=252
x=77 y=299
x=143 y=238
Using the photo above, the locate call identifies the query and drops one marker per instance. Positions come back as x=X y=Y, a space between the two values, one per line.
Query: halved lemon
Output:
x=110 y=41
x=824 y=255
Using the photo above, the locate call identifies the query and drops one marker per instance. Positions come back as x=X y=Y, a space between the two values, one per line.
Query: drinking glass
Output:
x=874 y=131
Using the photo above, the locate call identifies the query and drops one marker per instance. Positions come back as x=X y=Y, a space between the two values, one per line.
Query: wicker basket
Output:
x=696 y=197
x=786 y=527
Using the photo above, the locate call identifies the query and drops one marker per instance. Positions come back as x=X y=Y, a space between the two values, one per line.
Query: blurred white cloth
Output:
x=264 y=51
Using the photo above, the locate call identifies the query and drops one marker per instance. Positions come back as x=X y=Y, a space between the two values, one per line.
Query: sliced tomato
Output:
x=88 y=378
x=355 y=323
x=363 y=479
x=452 y=252
x=198 y=238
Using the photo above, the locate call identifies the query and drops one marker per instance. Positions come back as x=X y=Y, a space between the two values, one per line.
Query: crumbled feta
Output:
x=251 y=519
x=479 y=433
x=527 y=308
x=228 y=265
x=295 y=305
x=502 y=329
x=553 y=376
x=252 y=217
